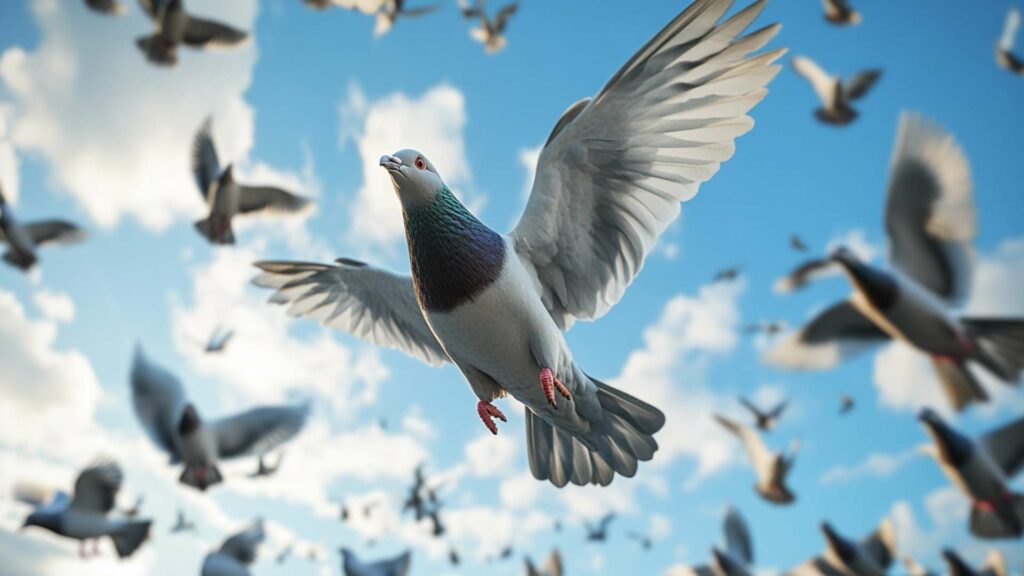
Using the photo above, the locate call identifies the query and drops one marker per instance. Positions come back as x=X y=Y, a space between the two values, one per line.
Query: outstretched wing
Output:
x=612 y=174
x=96 y=488
x=45 y=232
x=243 y=546
x=159 y=399
x=202 y=33
x=501 y=18
x=737 y=536
x=1006 y=446
x=1010 y=28
x=836 y=334
x=760 y=457
x=205 y=163
x=880 y=545
x=858 y=86
x=825 y=86
x=259 y=430
x=269 y=199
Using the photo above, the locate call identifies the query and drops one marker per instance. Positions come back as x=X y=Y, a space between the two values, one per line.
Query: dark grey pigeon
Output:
x=397 y=566
x=872 y=556
x=552 y=566
x=237 y=553
x=23 y=239
x=770 y=468
x=736 y=556
x=175 y=27
x=764 y=419
x=599 y=532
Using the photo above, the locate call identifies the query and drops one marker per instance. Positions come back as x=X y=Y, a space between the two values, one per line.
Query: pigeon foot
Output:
x=488 y=412
x=549 y=384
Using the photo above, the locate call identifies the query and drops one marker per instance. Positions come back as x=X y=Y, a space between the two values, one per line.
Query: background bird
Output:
x=770 y=468
x=218 y=340
x=392 y=10
x=872 y=556
x=237 y=553
x=995 y=564
x=766 y=420
x=840 y=13
x=734 y=558
x=599 y=532
x=175 y=27
x=263 y=469
x=23 y=239
x=797 y=243
x=1005 y=55
x=491 y=31
x=551 y=567
x=107 y=6
x=396 y=566
x=846 y=404
x=182 y=524
x=836 y=96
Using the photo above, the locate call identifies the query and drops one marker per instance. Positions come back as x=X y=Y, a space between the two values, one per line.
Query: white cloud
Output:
x=876 y=465
x=56 y=306
x=489 y=456
x=9 y=177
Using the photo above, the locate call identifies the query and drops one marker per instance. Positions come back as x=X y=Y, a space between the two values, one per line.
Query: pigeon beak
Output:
x=391 y=163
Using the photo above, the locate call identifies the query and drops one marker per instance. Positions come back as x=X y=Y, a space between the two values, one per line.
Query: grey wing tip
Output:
x=351 y=262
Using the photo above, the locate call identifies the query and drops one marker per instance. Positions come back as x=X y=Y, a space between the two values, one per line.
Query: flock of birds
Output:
x=610 y=180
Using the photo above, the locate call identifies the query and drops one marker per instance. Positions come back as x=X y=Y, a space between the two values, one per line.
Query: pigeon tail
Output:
x=157 y=50
x=201 y=477
x=1003 y=519
x=216 y=229
x=960 y=386
x=615 y=445
x=999 y=346
x=128 y=539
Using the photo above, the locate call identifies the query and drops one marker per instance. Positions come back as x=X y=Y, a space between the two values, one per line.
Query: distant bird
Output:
x=930 y=220
x=734 y=558
x=836 y=96
x=846 y=404
x=368 y=508
x=283 y=555
x=840 y=13
x=869 y=557
x=107 y=6
x=414 y=501
x=174 y=425
x=599 y=532
x=135 y=508
x=505 y=553
x=397 y=566
x=797 y=243
x=85 y=515
x=995 y=564
x=263 y=469
x=344 y=513
x=1005 y=56
x=181 y=524
x=766 y=328
x=490 y=32
x=175 y=27
x=23 y=239
x=803 y=274
x=914 y=568
x=551 y=567
x=727 y=275
x=392 y=10
x=435 y=520
x=453 y=557
x=643 y=540
x=226 y=198
x=236 y=554
x=770 y=468
x=982 y=469
x=218 y=340
x=766 y=420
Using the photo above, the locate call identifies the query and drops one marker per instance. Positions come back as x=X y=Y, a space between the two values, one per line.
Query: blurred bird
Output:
x=796 y=243
x=736 y=556
x=727 y=275
x=435 y=520
x=263 y=469
x=599 y=532
x=766 y=420
x=236 y=554
x=609 y=182
x=453 y=557
x=392 y=10
x=846 y=404
x=766 y=328
x=551 y=567
x=869 y=557
x=283 y=555
x=835 y=95
x=643 y=540
x=840 y=13
x=803 y=274
x=414 y=501
x=930 y=220
x=995 y=564
x=218 y=340
x=226 y=198
x=181 y=524
x=490 y=32
x=982 y=470
x=914 y=568
x=1004 y=48
x=85 y=515
x=107 y=6
x=397 y=566
x=135 y=508
x=23 y=239
x=175 y=27
x=770 y=468
x=174 y=425
x=505 y=553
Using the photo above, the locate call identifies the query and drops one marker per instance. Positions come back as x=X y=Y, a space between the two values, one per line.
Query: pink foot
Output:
x=549 y=384
x=488 y=412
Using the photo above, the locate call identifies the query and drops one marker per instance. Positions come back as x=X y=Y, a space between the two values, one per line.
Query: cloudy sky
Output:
x=90 y=132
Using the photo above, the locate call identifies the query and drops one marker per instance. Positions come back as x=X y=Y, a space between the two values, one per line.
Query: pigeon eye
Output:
x=420 y=163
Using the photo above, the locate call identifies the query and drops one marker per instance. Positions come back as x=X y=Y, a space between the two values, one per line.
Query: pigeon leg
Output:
x=488 y=412
x=96 y=547
x=549 y=384
x=81 y=549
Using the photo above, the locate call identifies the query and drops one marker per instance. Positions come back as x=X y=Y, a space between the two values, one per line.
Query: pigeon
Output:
x=397 y=566
x=842 y=557
x=414 y=501
x=505 y=553
x=797 y=243
x=218 y=340
x=227 y=198
x=836 y=95
x=490 y=32
x=283 y=555
x=392 y=10
x=766 y=328
x=803 y=274
x=770 y=468
x=599 y=203
x=453 y=557
x=174 y=425
x=263 y=469
x=727 y=275
x=734 y=558
x=982 y=470
x=839 y=13
x=1004 y=48
x=914 y=568
x=175 y=27
x=846 y=404
x=930 y=220
x=181 y=524
x=23 y=239
x=135 y=508
x=552 y=567
x=599 y=532
x=643 y=540
x=995 y=564
x=85 y=515
x=236 y=554
x=766 y=420
x=434 y=515
x=107 y=6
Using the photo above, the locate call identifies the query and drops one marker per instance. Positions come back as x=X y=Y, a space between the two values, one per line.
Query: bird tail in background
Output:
x=961 y=387
x=1000 y=520
x=201 y=478
x=128 y=539
x=156 y=50
x=616 y=445
x=223 y=234
x=1000 y=346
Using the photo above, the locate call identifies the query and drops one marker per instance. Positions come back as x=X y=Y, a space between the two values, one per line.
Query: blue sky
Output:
x=89 y=132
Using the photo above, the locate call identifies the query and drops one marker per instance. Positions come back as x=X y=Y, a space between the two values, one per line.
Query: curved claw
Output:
x=487 y=413
x=549 y=384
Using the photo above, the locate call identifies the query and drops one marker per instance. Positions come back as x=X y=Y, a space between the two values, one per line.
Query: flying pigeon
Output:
x=835 y=95
x=397 y=566
x=107 y=6
x=930 y=220
x=609 y=181
x=803 y=274
x=643 y=540
x=135 y=508
x=490 y=32
x=995 y=564
x=414 y=502
x=174 y=425
x=181 y=524
x=982 y=470
x=453 y=557
x=766 y=328
x=552 y=567
x=770 y=468
x=85 y=515
x=797 y=243
x=599 y=532
x=1005 y=56
x=914 y=568
x=869 y=557
x=23 y=239
x=840 y=13
x=263 y=469
x=227 y=198
x=175 y=27
x=846 y=404
x=766 y=420
x=283 y=555
x=734 y=558
x=218 y=340
x=727 y=275
x=236 y=554
x=392 y=10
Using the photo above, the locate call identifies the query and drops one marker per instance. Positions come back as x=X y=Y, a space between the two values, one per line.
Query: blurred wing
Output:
x=605 y=522
x=42 y=498
x=205 y=163
x=242 y=546
x=858 y=86
x=107 y=6
x=750 y=406
x=259 y=430
x=753 y=445
x=612 y=174
x=364 y=301
x=816 y=566
x=202 y=33
x=159 y=399
x=1010 y=28
x=419 y=10
x=96 y=488
x=880 y=546
x=930 y=213
x=501 y=18
x=154 y=8
x=737 y=537
x=46 y=232
x=836 y=334
x=825 y=86
x=267 y=199
x=1006 y=446
x=553 y=567
x=802 y=275
x=779 y=409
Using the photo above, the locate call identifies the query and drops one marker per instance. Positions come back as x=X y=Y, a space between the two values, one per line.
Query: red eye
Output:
x=420 y=163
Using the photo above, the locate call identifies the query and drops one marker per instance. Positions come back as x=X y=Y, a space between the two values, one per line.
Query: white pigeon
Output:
x=236 y=554
x=836 y=96
x=174 y=425
x=840 y=13
x=397 y=566
x=175 y=27
x=981 y=469
x=771 y=468
x=609 y=181
x=85 y=515
x=735 y=558
x=23 y=239
x=107 y=6
x=226 y=198
x=552 y=566
x=491 y=31
x=843 y=557
x=1005 y=56
x=995 y=564
x=930 y=221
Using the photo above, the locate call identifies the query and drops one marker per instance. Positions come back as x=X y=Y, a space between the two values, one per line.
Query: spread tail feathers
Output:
x=128 y=539
x=1002 y=520
x=1000 y=346
x=216 y=230
x=614 y=445
x=961 y=387
x=201 y=478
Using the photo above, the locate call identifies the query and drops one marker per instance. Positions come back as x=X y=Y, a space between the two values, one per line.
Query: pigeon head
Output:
x=844 y=550
x=414 y=177
x=954 y=447
x=189 y=422
x=879 y=287
x=48 y=520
